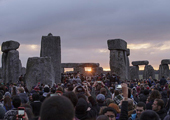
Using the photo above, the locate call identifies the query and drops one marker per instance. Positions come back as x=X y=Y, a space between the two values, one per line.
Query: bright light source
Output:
x=88 y=69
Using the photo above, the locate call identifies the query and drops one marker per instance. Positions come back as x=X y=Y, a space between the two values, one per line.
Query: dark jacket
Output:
x=124 y=111
x=2 y=111
x=163 y=81
x=36 y=106
x=143 y=97
x=23 y=97
x=149 y=105
x=162 y=113
x=82 y=106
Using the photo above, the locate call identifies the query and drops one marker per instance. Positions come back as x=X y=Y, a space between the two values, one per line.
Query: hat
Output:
x=46 y=88
x=81 y=106
x=114 y=106
x=36 y=88
x=100 y=97
x=7 y=94
x=147 y=88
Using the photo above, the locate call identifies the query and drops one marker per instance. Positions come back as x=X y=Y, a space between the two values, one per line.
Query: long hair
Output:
x=154 y=95
x=14 y=91
x=7 y=103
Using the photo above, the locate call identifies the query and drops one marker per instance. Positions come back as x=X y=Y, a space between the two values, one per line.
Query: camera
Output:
x=51 y=95
x=99 y=81
x=80 y=89
x=21 y=112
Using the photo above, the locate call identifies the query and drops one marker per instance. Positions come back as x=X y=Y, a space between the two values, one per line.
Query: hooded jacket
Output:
x=82 y=110
x=162 y=113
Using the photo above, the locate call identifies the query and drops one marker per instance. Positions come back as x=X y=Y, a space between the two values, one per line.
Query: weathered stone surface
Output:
x=62 y=70
x=133 y=72
x=11 y=66
x=1 y=75
x=73 y=65
x=128 y=51
x=100 y=70
x=88 y=65
x=23 y=71
x=127 y=68
x=144 y=62
x=9 y=45
x=148 y=71
x=4 y=57
x=81 y=70
x=163 y=70
x=117 y=44
x=118 y=58
x=165 y=61
x=39 y=69
x=50 y=47
x=118 y=63
x=95 y=70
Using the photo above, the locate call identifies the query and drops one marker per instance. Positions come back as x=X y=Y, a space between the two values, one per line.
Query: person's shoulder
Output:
x=12 y=112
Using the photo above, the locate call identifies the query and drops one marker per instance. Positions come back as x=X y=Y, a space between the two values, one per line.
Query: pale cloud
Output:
x=102 y=50
x=29 y=47
x=139 y=46
x=165 y=46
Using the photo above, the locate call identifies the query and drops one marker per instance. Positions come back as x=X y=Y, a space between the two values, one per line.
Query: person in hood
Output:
x=46 y=91
x=158 y=107
x=83 y=111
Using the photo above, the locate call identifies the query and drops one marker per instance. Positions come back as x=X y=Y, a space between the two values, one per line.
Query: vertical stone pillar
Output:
x=62 y=70
x=4 y=69
x=127 y=65
x=51 y=47
x=148 y=71
x=163 y=70
x=94 y=70
x=81 y=70
x=11 y=64
x=39 y=69
x=100 y=70
x=1 y=75
x=118 y=57
x=133 y=72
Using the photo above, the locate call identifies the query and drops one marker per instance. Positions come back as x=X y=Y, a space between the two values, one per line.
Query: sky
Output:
x=84 y=27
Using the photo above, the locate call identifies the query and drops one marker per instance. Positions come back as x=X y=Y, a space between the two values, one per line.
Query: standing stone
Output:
x=118 y=57
x=50 y=47
x=62 y=70
x=4 y=70
x=94 y=70
x=81 y=70
x=163 y=70
x=12 y=67
x=11 y=64
x=1 y=75
x=39 y=69
x=148 y=71
x=127 y=65
x=100 y=70
x=9 y=45
x=134 y=72
x=23 y=71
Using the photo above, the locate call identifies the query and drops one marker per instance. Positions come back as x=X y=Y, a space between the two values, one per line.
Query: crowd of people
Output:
x=79 y=97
